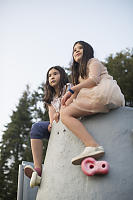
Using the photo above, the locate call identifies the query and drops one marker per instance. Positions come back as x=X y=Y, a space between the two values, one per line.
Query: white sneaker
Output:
x=33 y=175
x=28 y=170
x=35 y=180
x=95 y=152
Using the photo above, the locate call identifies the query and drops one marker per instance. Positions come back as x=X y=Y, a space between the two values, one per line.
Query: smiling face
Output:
x=54 y=78
x=78 y=52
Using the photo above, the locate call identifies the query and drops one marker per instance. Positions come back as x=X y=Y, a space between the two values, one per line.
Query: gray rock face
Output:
x=63 y=181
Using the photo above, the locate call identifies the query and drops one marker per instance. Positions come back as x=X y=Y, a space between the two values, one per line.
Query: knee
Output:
x=39 y=130
x=34 y=130
x=35 y=127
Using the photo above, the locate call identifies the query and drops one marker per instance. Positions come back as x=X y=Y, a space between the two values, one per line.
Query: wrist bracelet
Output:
x=70 y=90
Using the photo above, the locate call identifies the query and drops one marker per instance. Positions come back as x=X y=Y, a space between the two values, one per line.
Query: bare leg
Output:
x=69 y=117
x=37 y=151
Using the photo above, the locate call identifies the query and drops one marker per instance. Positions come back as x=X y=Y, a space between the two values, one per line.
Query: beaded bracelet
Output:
x=70 y=90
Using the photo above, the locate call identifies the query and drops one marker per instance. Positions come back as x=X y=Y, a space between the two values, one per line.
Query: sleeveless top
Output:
x=56 y=103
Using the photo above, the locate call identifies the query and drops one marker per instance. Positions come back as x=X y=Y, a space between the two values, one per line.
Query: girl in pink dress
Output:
x=94 y=91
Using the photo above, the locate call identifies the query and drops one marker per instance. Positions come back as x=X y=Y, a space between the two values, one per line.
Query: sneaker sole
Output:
x=79 y=160
x=28 y=170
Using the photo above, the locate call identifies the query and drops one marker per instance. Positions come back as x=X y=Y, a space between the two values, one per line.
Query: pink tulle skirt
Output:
x=101 y=98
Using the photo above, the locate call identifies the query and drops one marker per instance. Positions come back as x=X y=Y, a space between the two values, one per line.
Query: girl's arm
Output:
x=93 y=71
x=68 y=97
x=88 y=83
x=52 y=114
x=70 y=100
x=93 y=75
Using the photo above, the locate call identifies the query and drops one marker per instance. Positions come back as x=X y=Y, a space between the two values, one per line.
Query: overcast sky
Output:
x=38 y=34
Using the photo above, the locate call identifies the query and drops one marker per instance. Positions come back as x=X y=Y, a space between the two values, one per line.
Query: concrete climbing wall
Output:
x=63 y=181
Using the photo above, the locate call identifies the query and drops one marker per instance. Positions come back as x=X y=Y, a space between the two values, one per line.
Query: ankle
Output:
x=92 y=145
x=38 y=170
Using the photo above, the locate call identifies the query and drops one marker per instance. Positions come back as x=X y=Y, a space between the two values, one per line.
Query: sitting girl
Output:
x=55 y=87
x=94 y=91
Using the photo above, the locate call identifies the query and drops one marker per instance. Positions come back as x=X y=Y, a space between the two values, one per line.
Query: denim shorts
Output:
x=39 y=130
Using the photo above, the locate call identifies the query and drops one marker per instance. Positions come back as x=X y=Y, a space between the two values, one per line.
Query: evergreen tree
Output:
x=15 y=147
x=39 y=112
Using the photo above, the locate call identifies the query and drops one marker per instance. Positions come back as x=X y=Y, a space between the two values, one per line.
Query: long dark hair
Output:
x=79 y=69
x=50 y=91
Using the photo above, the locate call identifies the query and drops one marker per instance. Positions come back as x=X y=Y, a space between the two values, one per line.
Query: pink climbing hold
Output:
x=90 y=166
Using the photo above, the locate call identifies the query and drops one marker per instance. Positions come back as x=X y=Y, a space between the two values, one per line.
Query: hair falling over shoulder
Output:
x=49 y=91
x=79 y=69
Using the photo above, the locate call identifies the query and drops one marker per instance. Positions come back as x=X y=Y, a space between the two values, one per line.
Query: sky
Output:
x=38 y=34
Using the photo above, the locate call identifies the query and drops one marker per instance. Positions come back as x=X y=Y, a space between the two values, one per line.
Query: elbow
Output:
x=95 y=80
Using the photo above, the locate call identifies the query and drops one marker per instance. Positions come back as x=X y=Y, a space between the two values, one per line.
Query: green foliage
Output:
x=15 y=142
x=120 y=67
x=15 y=145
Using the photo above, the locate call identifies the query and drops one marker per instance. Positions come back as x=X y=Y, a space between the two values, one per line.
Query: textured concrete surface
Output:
x=63 y=181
